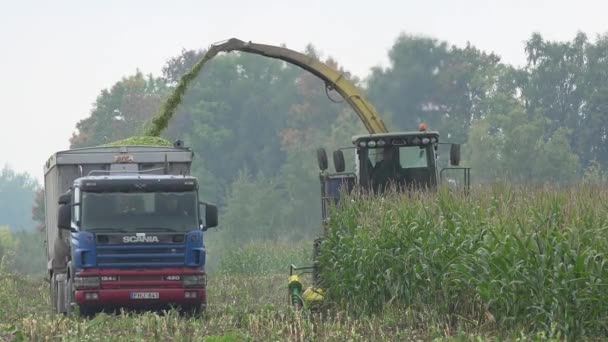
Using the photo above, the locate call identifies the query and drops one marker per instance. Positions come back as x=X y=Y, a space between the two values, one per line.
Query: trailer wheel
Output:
x=61 y=297
x=52 y=292
x=55 y=294
x=58 y=298
x=60 y=284
x=68 y=297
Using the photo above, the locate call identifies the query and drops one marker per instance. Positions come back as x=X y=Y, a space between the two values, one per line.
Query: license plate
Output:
x=144 y=295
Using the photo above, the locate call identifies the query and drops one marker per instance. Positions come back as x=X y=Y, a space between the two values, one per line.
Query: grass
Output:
x=241 y=308
x=505 y=263
x=260 y=262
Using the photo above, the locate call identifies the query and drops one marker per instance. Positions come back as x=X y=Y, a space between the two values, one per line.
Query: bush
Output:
x=22 y=252
x=8 y=247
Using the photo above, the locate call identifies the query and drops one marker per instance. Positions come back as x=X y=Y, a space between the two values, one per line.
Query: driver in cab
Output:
x=385 y=170
x=171 y=206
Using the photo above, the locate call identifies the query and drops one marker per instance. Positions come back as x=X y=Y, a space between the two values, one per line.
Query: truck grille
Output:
x=140 y=278
x=171 y=250
x=134 y=255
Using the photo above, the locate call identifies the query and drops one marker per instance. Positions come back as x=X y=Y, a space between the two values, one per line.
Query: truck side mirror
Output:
x=210 y=216
x=339 y=163
x=64 y=217
x=322 y=158
x=65 y=198
x=455 y=154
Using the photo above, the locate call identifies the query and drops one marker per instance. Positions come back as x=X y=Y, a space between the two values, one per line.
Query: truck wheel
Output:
x=60 y=297
x=87 y=312
x=201 y=308
x=204 y=305
x=193 y=311
x=55 y=294
x=60 y=293
x=68 y=297
x=58 y=309
x=52 y=293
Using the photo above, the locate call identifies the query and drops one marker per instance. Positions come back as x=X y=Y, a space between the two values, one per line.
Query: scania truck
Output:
x=125 y=228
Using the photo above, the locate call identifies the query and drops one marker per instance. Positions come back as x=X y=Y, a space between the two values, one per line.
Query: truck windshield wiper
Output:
x=157 y=228
x=112 y=230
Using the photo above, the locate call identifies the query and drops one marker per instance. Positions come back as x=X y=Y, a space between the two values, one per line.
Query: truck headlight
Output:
x=86 y=282
x=196 y=280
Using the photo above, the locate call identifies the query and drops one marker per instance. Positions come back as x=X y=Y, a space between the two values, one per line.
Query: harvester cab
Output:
x=400 y=161
x=397 y=161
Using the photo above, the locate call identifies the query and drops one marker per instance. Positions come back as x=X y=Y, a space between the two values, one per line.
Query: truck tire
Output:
x=52 y=293
x=203 y=306
x=60 y=293
x=57 y=297
x=60 y=297
x=87 y=312
x=55 y=294
x=190 y=310
x=69 y=290
x=68 y=297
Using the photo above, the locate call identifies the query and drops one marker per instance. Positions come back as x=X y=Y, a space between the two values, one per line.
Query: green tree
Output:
x=245 y=111
x=556 y=84
x=254 y=210
x=8 y=247
x=38 y=214
x=428 y=80
x=566 y=83
x=513 y=147
x=17 y=192
x=120 y=112
x=555 y=160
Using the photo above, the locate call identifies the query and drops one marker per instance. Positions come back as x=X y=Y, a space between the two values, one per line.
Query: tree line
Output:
x=255 y=122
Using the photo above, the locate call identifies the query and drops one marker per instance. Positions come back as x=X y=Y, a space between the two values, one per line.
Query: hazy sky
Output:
x=56 y=56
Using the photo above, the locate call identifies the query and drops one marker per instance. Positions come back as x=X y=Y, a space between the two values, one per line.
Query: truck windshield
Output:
x=139 y=211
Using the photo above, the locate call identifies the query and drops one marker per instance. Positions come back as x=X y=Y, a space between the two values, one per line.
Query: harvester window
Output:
x=413 y=156
x=386 y=168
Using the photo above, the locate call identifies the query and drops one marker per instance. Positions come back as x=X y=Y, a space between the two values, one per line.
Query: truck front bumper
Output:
x=136 y=298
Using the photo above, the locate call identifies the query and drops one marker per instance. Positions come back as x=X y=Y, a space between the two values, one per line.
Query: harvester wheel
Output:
x=322 y=158
x=339 y=163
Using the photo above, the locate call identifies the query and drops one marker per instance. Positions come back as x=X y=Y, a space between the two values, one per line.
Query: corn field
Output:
x=503 y=263
x=501 y=258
